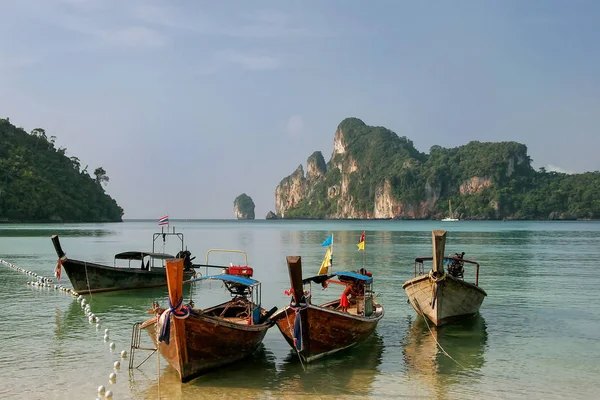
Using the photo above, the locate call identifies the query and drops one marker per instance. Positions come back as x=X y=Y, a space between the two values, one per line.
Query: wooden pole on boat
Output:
x=438 y=238
x=175 y=284
x=295 y=270
x=56 y=242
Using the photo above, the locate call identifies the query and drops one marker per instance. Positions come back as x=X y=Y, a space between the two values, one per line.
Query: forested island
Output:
x=375 y=174
x=39 y=183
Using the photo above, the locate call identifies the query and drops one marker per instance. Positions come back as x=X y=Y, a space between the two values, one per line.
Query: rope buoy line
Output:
x=87 y=309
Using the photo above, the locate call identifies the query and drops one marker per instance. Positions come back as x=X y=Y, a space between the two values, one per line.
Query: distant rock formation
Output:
x=243 y=207
x=375 y=174
x=271 y=215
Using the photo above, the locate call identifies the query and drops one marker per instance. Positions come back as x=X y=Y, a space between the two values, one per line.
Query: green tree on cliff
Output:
x=101 y=178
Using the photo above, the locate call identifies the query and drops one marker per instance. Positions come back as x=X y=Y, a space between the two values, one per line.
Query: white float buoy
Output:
x=106 y=331
x=101 y=390
x=117 y=365
x=106 y=338
x=112 y=345
x=112 y=377
x=97 y=326
x=108 y=395
x=123 y=354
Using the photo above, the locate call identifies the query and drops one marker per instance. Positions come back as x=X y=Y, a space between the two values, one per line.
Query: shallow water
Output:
x=537 y=336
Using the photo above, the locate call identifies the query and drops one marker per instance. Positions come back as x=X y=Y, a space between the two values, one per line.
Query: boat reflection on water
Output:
x=464 y=342
x=122 y=308
x=262 y=376
x=348 y=373
x=248 y=379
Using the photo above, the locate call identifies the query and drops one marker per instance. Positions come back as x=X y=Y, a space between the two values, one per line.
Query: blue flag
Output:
x=328 y=241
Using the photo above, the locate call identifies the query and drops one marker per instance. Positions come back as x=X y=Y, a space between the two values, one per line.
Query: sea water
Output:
x=537 y=335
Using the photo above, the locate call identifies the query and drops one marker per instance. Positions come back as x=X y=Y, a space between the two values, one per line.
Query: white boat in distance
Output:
x=450 y=217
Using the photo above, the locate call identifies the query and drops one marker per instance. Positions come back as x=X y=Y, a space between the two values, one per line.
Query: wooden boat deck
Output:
x=237 y=320
x=352 y=309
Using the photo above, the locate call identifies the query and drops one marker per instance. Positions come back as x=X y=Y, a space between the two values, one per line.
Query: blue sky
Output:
x=187 y=104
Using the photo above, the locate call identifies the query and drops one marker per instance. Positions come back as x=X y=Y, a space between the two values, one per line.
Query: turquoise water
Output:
x=537 y=336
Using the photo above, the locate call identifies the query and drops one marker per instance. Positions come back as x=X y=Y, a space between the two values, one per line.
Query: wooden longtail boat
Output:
x=195 y=341
x=316 y=331
x=89 y=277
x=442 y=296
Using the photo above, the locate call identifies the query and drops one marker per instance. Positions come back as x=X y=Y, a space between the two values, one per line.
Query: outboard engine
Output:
x=456 y=267
x=187 y=259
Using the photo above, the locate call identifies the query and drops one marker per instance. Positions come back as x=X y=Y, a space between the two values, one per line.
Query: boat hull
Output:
x=209 y=343
x=87 y=277
x=444 y=301
x=328 y=331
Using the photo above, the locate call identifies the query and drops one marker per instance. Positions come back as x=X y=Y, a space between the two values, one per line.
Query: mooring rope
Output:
x=430 y=331
x=88 y=280
x=157 y=332
x=297 y=310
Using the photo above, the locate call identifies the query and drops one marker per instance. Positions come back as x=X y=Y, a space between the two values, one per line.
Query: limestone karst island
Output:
x=375 y=174
x=243 y=207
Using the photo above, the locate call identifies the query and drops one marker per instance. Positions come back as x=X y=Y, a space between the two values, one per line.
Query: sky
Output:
x=187 y=104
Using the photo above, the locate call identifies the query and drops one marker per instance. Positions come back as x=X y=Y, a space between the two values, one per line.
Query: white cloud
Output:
x=246 y=61
x=255 y=24
x=100 y=23
x=295 y=125
x=249 y=61
x=134 y=36
x=554 y=168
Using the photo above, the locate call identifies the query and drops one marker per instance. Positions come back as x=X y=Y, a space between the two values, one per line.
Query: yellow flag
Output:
x=326 y=262
x=361 y=242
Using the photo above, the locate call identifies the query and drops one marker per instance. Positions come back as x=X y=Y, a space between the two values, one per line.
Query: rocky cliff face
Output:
x=385 y=205
x=290 y=191
x=315 y=167
x=475 y=185
x=296 y=187
x=373 y=173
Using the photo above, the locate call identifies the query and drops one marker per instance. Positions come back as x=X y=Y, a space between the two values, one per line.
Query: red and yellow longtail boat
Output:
x=316 y=331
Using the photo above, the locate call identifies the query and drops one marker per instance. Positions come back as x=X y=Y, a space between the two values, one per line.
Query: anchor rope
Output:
x=88 y=280
x=430 y=331
x=297 y=310
x=157 y=333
